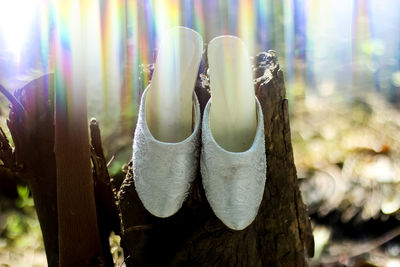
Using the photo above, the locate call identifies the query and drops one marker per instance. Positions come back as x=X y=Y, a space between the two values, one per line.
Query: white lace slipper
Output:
x=233 y=181
x=167 y=136
x=163 y=172
x=233 y=160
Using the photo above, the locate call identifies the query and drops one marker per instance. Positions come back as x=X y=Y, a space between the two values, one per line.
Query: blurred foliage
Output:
x=17 y=219
x=116 y=250
x=21 y=242
x=4 y=113
x=348 y=155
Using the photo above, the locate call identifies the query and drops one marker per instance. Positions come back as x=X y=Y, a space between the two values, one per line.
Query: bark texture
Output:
x=33 y=160
x=78 y=232
x=31 y=125
x=107 y=211
x=281 y=233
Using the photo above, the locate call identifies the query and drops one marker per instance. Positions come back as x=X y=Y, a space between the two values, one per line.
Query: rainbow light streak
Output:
x=321 y=44
x=63 y=68
x=93 y=58
x=73 y=58
x=167 y=15
x=232 y=15
x=147 y=33
x=289 y=39
x=262 y=24
x=247 y=25
x=187 y=15
x=132 y=76
x=112 y=52
x=199 y=17
x=223 y=16
x=44 y=29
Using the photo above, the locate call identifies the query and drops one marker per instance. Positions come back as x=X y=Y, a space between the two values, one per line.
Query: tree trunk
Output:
x=281 y=233
x=78 y=232
x=31 y=125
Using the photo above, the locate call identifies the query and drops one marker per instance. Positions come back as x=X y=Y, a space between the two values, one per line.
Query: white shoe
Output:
x=233 y=160
x=167 y=136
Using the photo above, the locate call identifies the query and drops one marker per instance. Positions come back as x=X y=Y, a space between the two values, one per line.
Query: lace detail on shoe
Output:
x=233 y=181
x=163 y=172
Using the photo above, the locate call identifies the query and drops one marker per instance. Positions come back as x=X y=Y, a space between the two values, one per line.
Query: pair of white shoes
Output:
x=167 y=138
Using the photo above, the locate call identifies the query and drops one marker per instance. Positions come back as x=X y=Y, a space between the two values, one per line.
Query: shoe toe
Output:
x=163 y=172
x=234 y=181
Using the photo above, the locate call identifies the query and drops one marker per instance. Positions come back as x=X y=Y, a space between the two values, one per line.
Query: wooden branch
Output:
x=107 y=211
x=104 y=190
x=17 y=105
x=281 y=233
x=10 y=173
x=7 y=155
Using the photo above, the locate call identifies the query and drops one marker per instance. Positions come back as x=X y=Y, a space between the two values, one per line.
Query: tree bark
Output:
x=281 y=233
x=33 y=159
x=107 y=211
x=31 y=125
x=78 y=232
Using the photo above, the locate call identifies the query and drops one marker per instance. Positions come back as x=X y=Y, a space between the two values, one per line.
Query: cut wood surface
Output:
x=281 y=233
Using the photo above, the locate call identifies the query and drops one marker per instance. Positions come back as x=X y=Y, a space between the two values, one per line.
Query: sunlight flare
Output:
x=16 y=18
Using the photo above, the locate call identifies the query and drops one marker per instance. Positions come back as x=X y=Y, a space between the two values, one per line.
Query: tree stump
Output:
x=281 y=233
